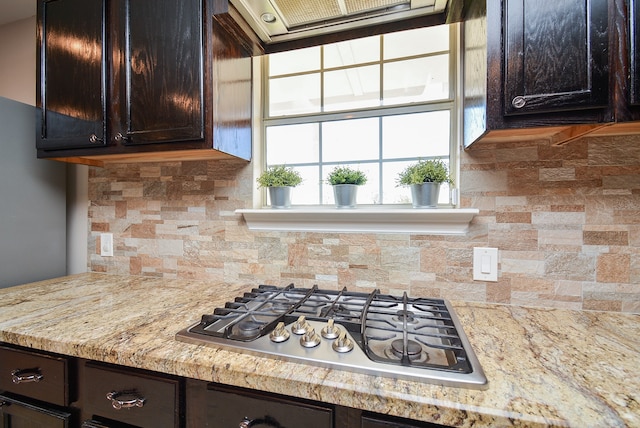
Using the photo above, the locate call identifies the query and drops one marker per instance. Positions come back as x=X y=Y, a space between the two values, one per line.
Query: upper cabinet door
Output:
x=556 y=55
x=157 y=62
x=70 y=93
x=634 y=51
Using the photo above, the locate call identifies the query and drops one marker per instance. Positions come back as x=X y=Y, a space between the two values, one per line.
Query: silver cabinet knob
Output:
x=120 y=137
x=93 y=138
x=518 y=102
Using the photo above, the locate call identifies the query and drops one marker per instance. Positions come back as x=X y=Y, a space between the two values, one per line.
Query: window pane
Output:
x=294 y=95
x=416 y=135
x=295 y=61
x=416 y=80
x=308 y=192
x=290 y=144
x=352 y=52
x=352 y=88
x=416 y=42
x=350 y=140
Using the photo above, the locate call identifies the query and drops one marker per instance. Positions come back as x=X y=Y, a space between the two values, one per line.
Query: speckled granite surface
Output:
x=545 y=367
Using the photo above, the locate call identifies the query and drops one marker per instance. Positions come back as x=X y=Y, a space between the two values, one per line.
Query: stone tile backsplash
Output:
x=566 y=220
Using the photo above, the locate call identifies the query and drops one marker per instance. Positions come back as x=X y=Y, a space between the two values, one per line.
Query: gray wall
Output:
x=32 y=202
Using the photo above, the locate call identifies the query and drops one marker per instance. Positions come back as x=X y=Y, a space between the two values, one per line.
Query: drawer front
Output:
x=17 y=413
x=227 y=407
x=134 y=398
x=35 y=375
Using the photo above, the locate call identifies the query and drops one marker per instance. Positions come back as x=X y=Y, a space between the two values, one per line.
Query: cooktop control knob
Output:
x=279 y=334
x=310 y=339
x=330 y=331
x=300 y=326
x=342 y=343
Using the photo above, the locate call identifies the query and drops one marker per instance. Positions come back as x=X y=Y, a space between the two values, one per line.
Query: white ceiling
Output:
x=15 y=10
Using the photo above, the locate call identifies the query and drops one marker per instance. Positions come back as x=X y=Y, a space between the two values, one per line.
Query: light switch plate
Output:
x=106 y=244
x=485 y=264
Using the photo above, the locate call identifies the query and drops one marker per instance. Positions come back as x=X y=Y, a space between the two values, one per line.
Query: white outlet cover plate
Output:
x=485 y=264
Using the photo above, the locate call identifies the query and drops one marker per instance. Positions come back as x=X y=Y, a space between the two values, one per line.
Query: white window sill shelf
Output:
x=440 y=221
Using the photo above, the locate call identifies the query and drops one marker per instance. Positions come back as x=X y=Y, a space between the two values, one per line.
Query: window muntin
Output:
x=376 y=104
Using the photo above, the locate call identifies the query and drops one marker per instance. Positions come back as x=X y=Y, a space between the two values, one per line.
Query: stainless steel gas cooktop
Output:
x=417 y=339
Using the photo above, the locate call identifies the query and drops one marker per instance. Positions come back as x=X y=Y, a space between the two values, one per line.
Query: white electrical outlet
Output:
x=106 y=244
x=485 y=264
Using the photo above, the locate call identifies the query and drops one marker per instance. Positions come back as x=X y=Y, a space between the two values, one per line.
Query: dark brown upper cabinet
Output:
x=71 y=87
x=140 y=80
x=555 y=55
x=634 y=51
x=555 y=70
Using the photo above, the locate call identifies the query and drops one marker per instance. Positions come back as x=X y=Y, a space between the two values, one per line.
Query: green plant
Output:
x=279 y=176
x=425 y=171
x=346 y=175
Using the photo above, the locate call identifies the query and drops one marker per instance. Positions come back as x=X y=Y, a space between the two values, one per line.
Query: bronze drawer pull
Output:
x=133 y=399
x=27 y=375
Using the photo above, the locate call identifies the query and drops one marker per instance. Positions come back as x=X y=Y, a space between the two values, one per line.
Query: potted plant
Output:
x=279 y=179
x=424 y=178
x=345 y=182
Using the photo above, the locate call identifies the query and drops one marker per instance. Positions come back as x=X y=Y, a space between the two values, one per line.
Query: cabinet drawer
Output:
x=35 y=375
x=17 y=413
x=228 y=407
x=131 y=397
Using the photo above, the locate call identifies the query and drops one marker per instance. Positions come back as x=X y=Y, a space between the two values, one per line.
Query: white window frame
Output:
x=382 y=218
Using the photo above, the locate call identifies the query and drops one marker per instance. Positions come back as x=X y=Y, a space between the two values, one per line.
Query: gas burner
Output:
x=413 y=351
x=280 y=307
x=403 y=315
x=248 y=328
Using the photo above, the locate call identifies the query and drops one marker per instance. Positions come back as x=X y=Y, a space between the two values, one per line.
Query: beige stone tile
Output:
x=613 y=268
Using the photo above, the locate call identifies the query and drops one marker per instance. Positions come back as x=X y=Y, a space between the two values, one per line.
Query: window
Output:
x=376 y=104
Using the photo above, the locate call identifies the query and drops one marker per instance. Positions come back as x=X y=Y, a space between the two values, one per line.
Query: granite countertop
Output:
x=546 y=367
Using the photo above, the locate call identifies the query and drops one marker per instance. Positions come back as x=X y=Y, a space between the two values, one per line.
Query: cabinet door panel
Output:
x=556 y=55
x=16 y=413
x=71 y=94
x=162 y=77
x=634 y=51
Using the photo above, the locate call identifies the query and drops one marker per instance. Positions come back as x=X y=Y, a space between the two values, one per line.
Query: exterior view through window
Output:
x=376 y=104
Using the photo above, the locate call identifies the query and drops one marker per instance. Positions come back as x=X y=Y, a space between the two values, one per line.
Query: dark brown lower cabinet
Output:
x=44 y=390
x=18 y=413
x=211 y=405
